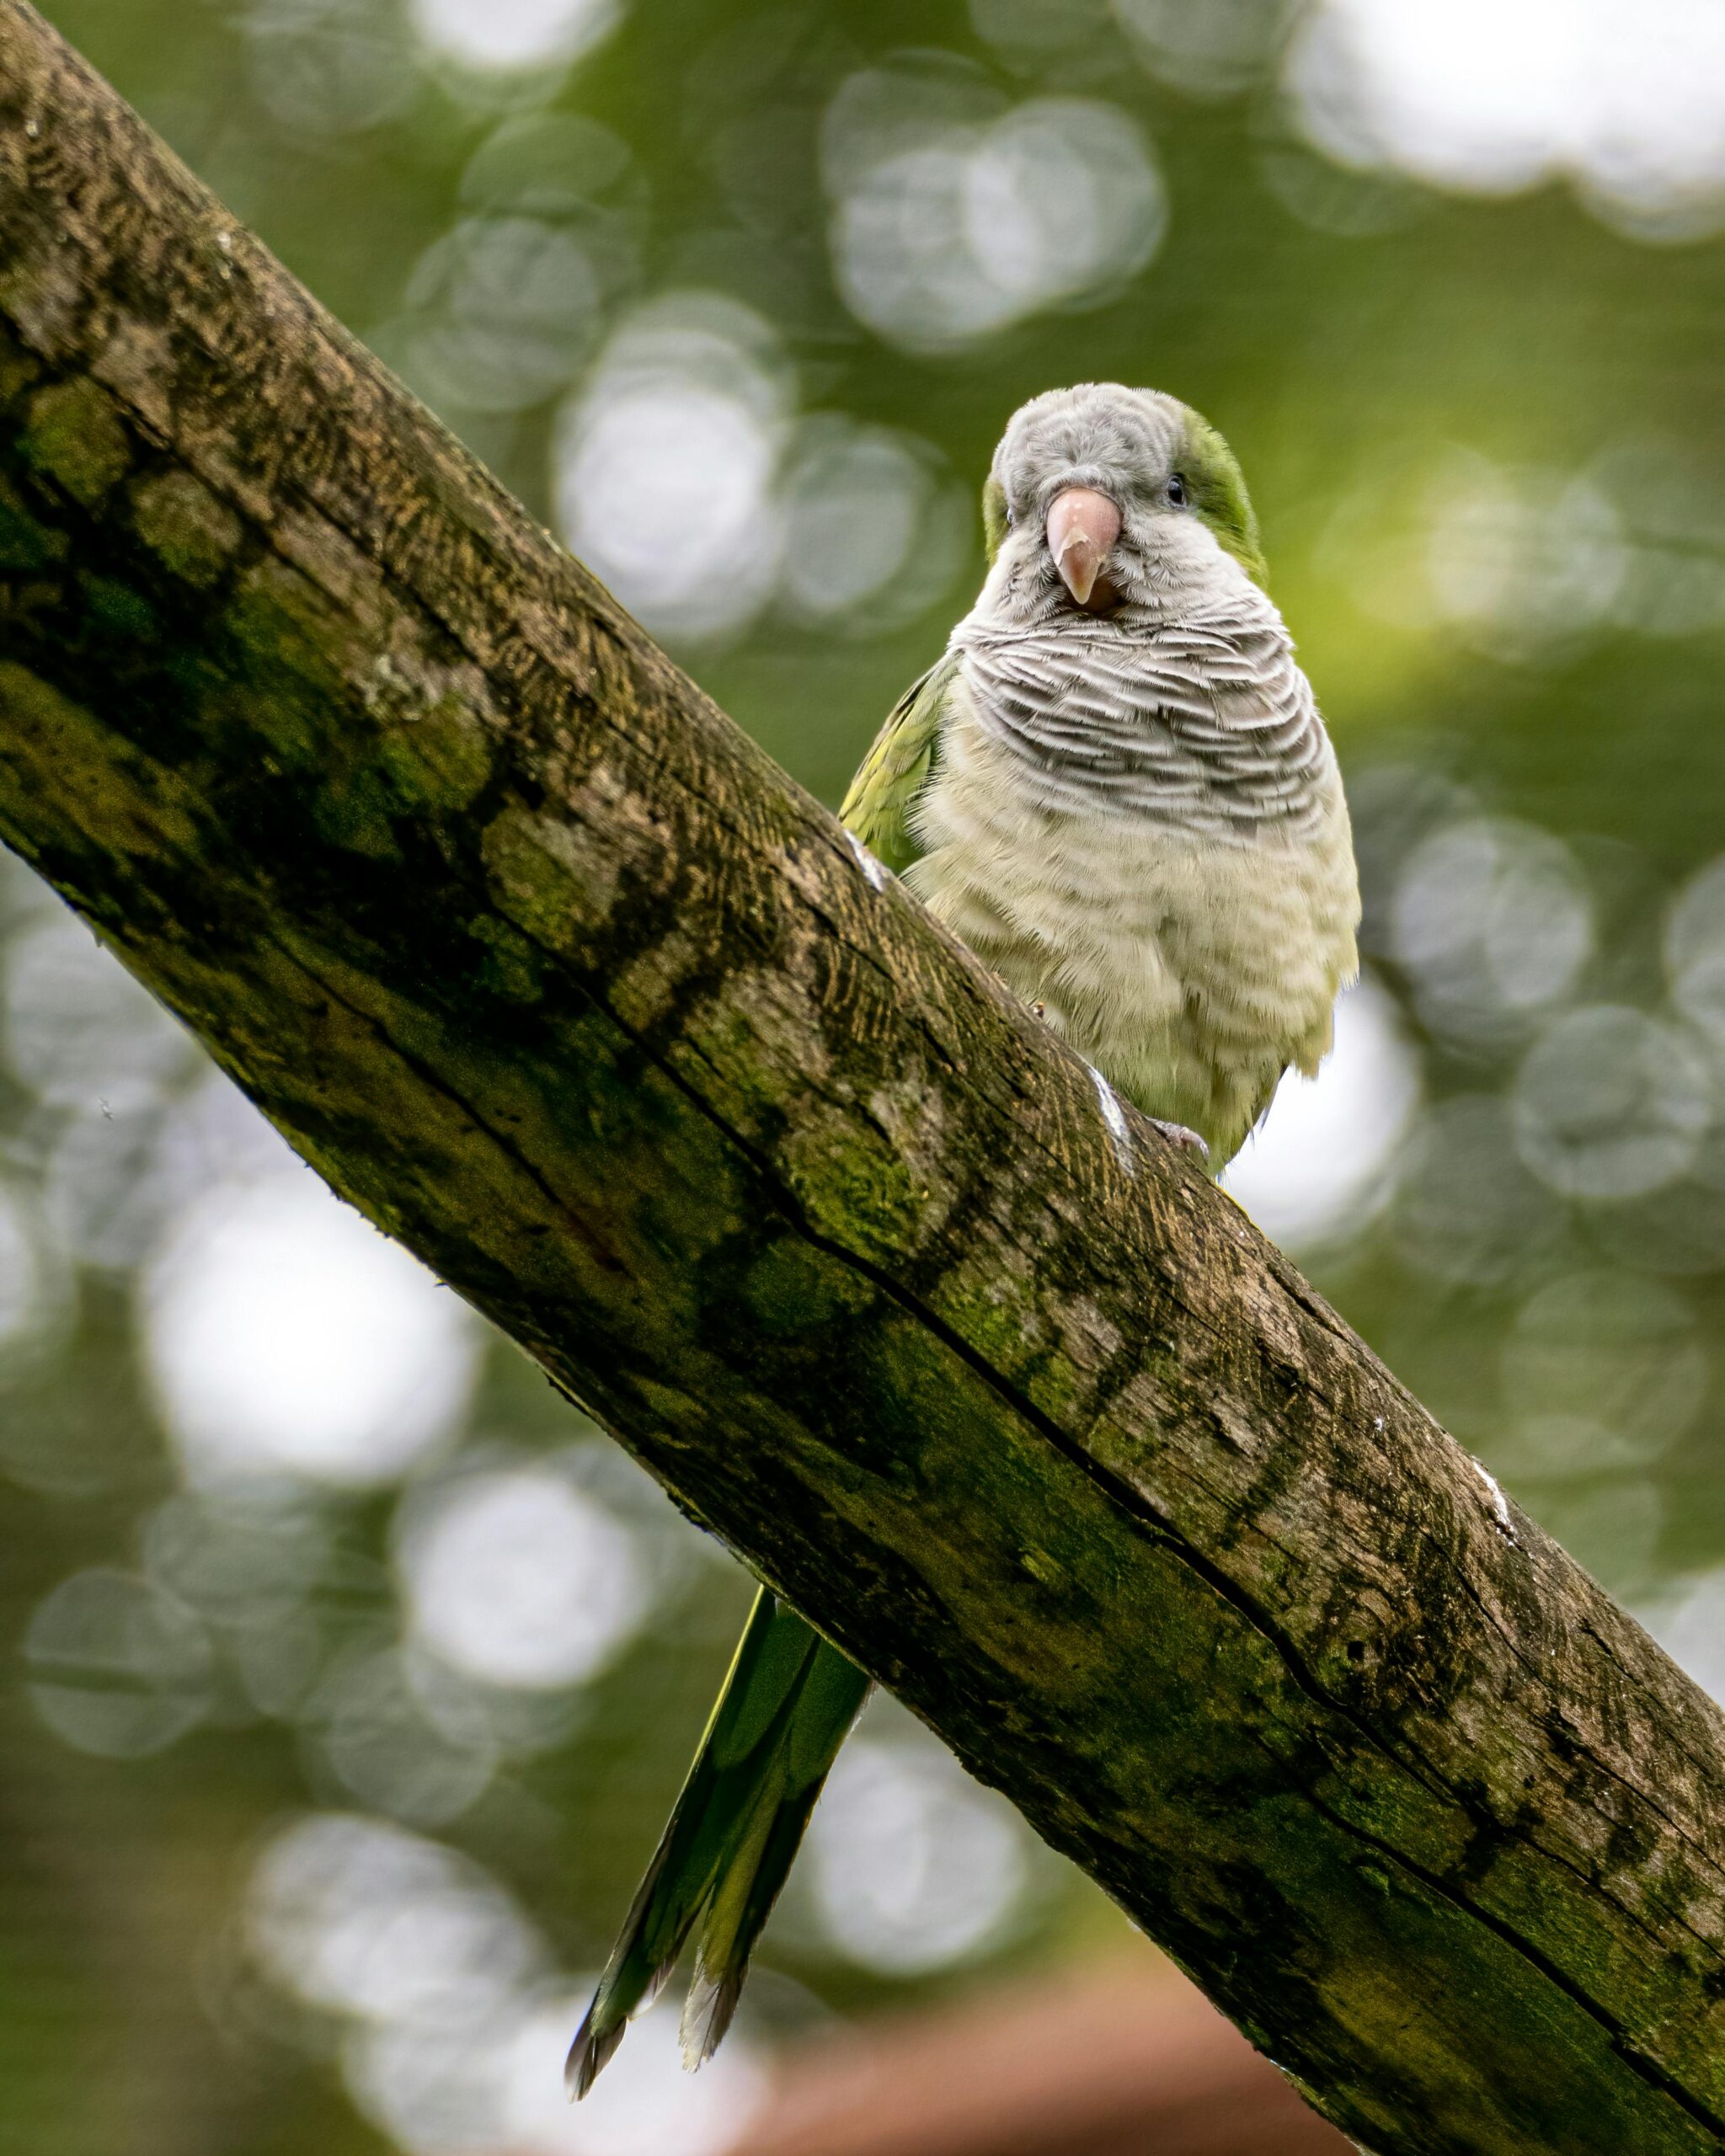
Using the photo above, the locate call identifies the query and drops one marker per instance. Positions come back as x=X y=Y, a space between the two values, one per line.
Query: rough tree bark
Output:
x=548 y=970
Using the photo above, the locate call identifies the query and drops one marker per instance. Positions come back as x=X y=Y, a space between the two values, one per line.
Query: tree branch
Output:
x=551 y=971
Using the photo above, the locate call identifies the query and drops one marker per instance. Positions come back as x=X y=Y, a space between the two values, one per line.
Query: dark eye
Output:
x=1177 y=491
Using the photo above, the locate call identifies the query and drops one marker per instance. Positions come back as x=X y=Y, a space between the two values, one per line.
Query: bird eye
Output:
x=1177 y=491
x=1011 y=517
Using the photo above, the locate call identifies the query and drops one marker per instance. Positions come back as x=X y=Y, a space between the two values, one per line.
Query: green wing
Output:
x=898 y=767
x=786 y=1707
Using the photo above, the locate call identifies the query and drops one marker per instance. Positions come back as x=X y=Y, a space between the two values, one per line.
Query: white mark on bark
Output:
x=1114 y=1116
x=1500 y=1503
x=874 y=870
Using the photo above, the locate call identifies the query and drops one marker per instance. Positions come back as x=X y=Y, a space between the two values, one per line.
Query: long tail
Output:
x=786 y=1707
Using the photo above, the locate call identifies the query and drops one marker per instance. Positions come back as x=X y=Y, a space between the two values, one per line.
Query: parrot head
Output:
x=1102 y=498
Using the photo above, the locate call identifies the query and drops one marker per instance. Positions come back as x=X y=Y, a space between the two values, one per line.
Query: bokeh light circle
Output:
x=285 y=1335
x=912 y=1866
x=1610 y=1103
x=1318 y=1164
x=519 y=1579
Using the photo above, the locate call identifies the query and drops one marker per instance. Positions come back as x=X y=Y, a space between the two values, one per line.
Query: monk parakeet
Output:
x=1115 y=786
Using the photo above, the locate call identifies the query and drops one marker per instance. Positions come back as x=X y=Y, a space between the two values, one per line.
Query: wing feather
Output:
x=878 y=808
x=785 y=1709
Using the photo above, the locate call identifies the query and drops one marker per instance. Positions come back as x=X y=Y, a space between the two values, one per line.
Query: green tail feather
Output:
x=786 y=1707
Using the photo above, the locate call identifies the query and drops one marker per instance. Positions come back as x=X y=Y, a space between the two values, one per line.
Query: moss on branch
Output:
x=548 y=970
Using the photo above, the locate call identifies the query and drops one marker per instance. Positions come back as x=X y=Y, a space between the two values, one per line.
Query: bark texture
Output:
x=559 y=980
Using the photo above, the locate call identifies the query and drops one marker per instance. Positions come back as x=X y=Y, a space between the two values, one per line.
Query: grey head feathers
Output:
x=1177 y=699
x=1186 y=518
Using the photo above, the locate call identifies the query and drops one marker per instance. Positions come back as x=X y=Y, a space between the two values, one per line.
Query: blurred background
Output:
x=349 y=1673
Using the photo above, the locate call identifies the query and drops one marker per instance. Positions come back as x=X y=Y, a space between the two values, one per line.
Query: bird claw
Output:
x=1178 y=1136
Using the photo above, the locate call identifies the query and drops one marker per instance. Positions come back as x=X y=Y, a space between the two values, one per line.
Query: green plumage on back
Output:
x=786 y=1707
x=898 y=764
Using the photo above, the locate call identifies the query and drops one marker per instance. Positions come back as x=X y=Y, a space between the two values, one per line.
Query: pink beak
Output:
x=1082 y=525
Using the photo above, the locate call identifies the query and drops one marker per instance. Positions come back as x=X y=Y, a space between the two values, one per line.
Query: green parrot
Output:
x=1115 y=786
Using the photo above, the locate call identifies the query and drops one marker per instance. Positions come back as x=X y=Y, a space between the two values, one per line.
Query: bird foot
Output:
x=1178 y=1136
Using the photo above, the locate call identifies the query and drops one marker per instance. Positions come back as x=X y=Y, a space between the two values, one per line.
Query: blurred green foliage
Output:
x=739 y=296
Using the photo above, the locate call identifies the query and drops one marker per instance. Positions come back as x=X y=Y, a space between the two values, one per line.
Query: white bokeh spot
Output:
x=1318 y=1163
x=956 y=215
x=285 y=1336
x=873 y=530
x=456 y=2023
x=364 y=1918
x=1690 y=1627
x=518 y=1578
x=492 y=35
x=645 y=2105
x=328 y=67
x=79 y=1031
x=1492 y=921
x=912 y=1866
x=665 y=465
x=1624 y=97
x=35 y=1288
x=502 y=311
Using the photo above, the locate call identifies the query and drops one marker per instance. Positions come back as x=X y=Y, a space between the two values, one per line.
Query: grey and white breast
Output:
x=1141 y=828
x=1205 y=725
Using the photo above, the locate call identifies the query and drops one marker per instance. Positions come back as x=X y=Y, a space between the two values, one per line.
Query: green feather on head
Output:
x=1216 y=486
